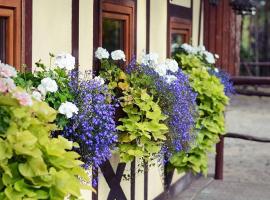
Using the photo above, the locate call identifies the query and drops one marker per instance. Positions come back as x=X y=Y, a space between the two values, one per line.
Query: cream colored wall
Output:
x=51 y=28
x=185 y=3
x=158 y=27
x=141 y=27
x=86 y=34
x=195 y=24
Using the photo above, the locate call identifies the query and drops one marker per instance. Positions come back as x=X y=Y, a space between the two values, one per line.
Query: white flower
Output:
x=216 y=70
x=172 y=65
x=65 y=61
x=47 y=85
x=200 y=49
x=7 y=71
x=216 y=56
x=209 y=57
x=189 y=49
x=36 y=95
x=118 y=55
x=99 y=80
x=150 y=59
x=42 y=89
x=68 y=109
x=7 y=85
x=161 y=69
x=102 y=53
x=170 y=78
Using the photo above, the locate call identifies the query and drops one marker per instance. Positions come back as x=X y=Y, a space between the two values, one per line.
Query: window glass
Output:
x=3 y=21
x=176 y=41
x=113 y=34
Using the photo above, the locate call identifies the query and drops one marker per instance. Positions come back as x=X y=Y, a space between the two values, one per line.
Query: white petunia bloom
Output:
x=170 y=78
x=209 y=57
x=65 y=61
x=189 y=49
x=47 y=85
x=68 y=109
x=118 y=55
x=99 y=80
x=42 y=89
x=150 y=59
x=216 y=70
x=172 y=65
x=200 y=49
x=7 y=71
x=102 y=53
x=161 y=69
x=37 y=95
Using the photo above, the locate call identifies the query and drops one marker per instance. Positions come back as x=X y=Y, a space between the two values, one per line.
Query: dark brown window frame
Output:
x=179 y=25
x=179 y=19
x=19 y=32
x=120 y=10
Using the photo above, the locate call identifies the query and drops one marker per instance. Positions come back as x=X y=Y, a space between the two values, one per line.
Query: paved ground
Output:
x=247 y=164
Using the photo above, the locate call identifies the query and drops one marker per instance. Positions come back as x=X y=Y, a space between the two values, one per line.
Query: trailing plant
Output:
x=211 y=102
x=142 y=131
x=171 y=87
x=93 y=128
x=32 y=164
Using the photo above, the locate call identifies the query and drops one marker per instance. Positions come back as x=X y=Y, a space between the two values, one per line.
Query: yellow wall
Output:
x=185 y=3
x=195 y=22
x=141 y=26
x=51 y=28
x=86 y=34
x=158 y=27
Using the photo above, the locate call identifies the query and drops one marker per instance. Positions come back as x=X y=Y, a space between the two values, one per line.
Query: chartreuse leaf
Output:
x=33 y=165
x=143 y=126
x=210 y=122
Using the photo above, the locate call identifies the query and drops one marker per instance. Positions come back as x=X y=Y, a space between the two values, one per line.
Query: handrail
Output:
x=250 y=80
x=247 y=137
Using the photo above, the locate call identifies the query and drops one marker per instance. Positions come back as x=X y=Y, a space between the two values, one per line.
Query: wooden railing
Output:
x=249 y=81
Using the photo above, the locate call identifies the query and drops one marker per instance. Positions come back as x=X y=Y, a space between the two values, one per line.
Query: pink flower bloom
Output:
x=6 y=85
x=7 y=71
x=24 y=98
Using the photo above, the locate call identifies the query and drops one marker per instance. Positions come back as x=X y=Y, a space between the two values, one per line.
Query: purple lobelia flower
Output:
x=93 y=128
x=178 y=102
x=225 y=79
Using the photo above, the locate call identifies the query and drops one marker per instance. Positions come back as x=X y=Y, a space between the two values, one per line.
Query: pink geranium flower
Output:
x=6 y=85
x=23 y=98
x=7 y=71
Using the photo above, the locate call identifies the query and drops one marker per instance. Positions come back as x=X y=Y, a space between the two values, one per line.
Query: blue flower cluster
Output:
x=93 y=128
x=178 y=102
x=225 y=79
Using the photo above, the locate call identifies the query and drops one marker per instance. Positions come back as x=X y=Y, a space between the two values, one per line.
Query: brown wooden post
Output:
x=219 y=159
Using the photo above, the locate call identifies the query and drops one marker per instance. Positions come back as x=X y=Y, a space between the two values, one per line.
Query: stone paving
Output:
x=246 y=164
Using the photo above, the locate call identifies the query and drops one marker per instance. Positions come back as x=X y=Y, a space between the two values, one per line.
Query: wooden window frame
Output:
x=12 y=9
x=119 y=10
x=179 y=25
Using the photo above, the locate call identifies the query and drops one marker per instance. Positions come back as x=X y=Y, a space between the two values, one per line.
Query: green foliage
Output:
x=32 y=164
x=142 y=130
x=29 y=80
x=211 y=102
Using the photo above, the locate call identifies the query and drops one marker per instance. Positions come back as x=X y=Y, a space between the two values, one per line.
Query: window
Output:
x=10 y=32
x=117 y=25
x=180 y=32
x=179 y=25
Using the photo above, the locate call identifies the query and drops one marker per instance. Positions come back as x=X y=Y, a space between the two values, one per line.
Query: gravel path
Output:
x=247 y=161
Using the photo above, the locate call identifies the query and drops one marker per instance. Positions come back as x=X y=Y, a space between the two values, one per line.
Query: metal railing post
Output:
x=219 y=159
